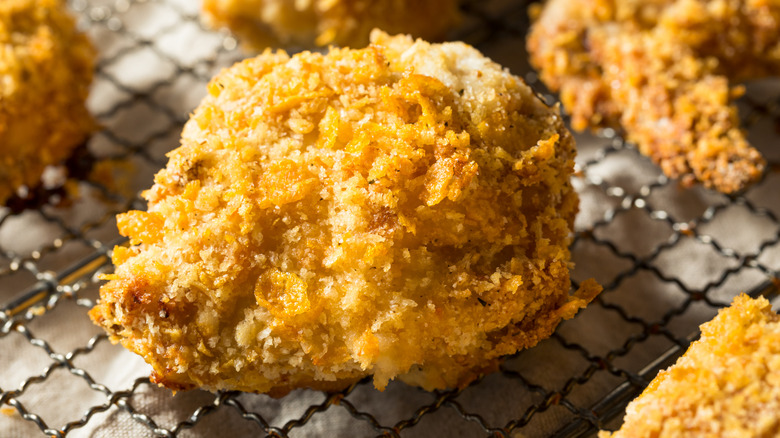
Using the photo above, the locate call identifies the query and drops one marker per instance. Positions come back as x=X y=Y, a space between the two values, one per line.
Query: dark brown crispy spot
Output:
x=138 y=295
x=193 y=170
x=140 y=299
x=383 y=222
x=169 y=383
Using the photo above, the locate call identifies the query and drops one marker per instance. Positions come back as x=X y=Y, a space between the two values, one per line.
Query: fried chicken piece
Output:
x=262 y=23
x=726 y=384
x=403 y=210
x=45 y=74
x=663 y=71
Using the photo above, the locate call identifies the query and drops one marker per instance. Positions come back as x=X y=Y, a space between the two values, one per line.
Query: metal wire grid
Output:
x=668 y=258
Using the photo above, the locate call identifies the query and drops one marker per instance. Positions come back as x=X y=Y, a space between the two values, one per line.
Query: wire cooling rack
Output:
x=668 y=257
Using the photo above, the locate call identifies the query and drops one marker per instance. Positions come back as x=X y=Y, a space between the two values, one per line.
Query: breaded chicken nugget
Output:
x=45 y=74
x=726 y=385
x=403 y=210
x=322 y=22
x=663 y=71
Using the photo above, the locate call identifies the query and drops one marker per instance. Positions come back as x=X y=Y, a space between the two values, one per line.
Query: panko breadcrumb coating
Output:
x=726 y=385
x=45 y=74
x=663 y=71
x=261 y=23
x=403 y=210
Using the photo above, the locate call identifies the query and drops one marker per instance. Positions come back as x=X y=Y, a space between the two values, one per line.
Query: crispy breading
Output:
x=45 y=74
x=726 y=385
x=664 y=72
x=403 y=210
x=263 y=23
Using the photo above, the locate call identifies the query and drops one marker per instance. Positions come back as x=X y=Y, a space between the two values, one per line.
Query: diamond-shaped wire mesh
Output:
x=668 y=257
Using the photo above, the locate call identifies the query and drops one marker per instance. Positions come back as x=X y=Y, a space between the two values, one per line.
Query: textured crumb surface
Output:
x=403 y=210
x=663 y=71
x=726 y=385
x=261 y=23
x=45 y=74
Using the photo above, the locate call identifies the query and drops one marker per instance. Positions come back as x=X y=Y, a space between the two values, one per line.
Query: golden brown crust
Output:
x=726 y=384
x=262 y=23
x=45 y=74
x=402 y=210
x=661 y=71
